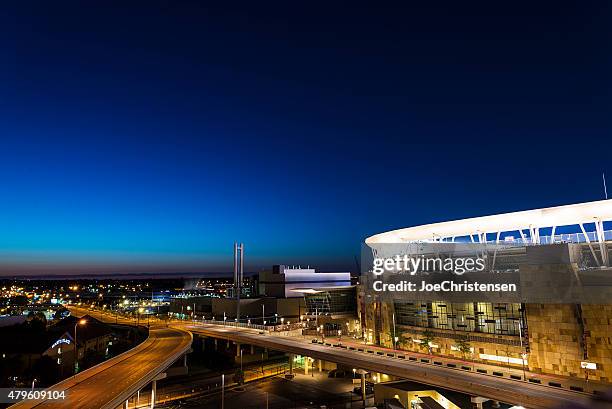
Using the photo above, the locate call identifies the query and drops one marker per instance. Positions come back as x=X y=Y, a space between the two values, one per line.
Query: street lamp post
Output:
x=82 y=321
x=394 y=336
x=523 y=354
x=222 y=391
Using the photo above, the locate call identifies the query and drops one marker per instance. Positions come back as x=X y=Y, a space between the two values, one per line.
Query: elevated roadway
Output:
x=109 y=384
x=510 y=391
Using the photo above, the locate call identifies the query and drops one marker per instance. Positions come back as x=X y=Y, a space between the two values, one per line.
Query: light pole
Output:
x=140 y=310
x=82 y=321
x=394 y=337
x=523 y=354
x=222 y=391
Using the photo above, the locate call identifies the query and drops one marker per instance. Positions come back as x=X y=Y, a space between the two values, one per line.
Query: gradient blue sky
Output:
x=150 y=136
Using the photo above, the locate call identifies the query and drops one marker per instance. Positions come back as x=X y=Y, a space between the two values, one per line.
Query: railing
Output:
x=235 y=324
x=528 y=240
x=268 y=328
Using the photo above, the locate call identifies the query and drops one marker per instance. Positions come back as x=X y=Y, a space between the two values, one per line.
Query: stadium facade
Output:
x=559 y=338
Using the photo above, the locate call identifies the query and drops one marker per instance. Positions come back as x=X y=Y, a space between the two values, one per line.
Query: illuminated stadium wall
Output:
x=553 y=338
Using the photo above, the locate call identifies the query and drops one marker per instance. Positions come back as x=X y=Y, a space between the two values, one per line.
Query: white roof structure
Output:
x=532 y=220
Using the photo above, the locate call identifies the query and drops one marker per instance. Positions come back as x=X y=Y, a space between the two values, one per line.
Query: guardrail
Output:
x=474 y=367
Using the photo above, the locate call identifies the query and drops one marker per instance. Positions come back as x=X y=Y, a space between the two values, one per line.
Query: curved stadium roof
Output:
x=567 y=215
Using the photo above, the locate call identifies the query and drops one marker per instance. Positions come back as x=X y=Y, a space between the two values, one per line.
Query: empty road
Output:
x=107 y=384
x=504 y=390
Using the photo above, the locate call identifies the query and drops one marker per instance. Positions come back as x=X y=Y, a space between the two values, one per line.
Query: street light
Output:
x=82 y=321
x=222 y=391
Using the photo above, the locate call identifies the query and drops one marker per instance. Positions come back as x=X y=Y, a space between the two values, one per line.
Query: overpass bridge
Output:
x=511 y=391
x=109 y=384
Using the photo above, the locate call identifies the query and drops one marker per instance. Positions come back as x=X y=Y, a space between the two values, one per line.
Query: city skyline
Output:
x=299 y=133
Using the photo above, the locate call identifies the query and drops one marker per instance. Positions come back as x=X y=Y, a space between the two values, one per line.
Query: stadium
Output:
x=556 y=336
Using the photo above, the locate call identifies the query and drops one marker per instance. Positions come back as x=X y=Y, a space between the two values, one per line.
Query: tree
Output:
x=239 y=377
x=463 y=346
x=45 y=371
x=427 y=339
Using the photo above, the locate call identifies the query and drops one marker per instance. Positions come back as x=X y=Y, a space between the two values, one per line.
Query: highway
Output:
x=526 y=394
x=110 y=383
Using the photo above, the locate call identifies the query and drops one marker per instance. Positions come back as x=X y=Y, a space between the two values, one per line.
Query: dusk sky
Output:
x=151 y=136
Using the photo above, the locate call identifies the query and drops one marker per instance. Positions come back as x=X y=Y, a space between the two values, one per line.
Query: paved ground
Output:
x=304 y=391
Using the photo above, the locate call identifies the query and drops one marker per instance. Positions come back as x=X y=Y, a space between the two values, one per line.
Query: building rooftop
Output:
x=550 y=217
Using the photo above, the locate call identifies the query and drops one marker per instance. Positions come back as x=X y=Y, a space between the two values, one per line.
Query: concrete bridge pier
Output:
x=154 y=388
x=363 y=388
x=477 y=401
x=153 y=393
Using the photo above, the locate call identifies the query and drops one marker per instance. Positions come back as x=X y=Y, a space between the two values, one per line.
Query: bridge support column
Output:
x=153 y=393
x=306 y=364
x=185 y=360
x=216 y=344
x=495 y=404
x=363 y=388
x=252 y=350
x=162 y=375
x=291 y=357
x=320 y=365
x=238 y=348
x=127 y=402
x=477 y=401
